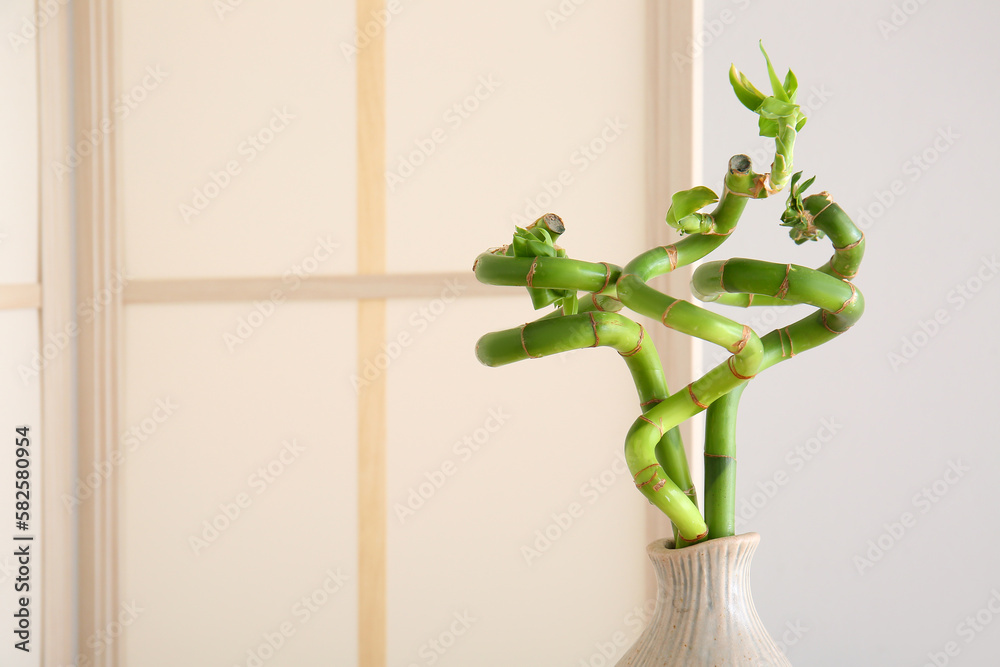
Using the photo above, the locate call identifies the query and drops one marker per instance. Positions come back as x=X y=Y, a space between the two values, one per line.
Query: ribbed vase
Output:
x=704 y=611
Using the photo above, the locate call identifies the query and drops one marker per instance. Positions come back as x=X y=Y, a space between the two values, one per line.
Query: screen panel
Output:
x=488 y=128
x=236 y=126
x=511 y=511
x=237 y=508
x=19 y=139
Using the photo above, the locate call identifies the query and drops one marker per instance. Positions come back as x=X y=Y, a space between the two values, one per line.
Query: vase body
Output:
x=704 y=611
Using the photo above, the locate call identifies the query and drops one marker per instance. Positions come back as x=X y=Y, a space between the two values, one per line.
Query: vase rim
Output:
x=663 y=545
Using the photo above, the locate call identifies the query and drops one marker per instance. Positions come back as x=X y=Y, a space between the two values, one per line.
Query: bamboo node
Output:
x=722 y=275
x=525 y=347
x=638 y=346
x=828 y=327
x=654 y=477
x=744 y=339
x=791 y=350
x=695 y=398
x=607 y=276
x=663 y=318
x=671 y=255
x=783 y=289
x=732 y=369
x=853 y=298
x=842 y=276
x=658 y=427
x=528 y=279
x=593 y=325
x=850 y=246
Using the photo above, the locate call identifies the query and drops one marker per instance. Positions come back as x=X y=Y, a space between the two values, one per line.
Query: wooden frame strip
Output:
x=28 y=295
x=55 y=246
x=316 y=288
x=371 y=232
x=99 y=257
x=674 y=127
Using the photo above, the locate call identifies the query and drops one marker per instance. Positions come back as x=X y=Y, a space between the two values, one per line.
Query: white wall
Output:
x=882 y=95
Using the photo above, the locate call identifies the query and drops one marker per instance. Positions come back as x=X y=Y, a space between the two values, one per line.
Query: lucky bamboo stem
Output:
x=653 y=448
x=720 y=464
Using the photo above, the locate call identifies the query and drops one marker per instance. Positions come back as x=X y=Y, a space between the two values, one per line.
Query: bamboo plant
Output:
x=654 y=450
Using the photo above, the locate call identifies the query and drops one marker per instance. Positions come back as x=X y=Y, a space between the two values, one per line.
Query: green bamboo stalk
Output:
x=548 y=336
x=653 y=448
x=720 y=464
x=544 y=272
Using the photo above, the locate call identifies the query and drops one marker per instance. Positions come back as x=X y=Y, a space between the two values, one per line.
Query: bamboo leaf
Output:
x=768 y=127
x=772 y=107
x=752 y=88
x=751 y=99
x=520 y=246
x=802 y=123
x=686 y=202
x=779 y=91
x=791 y=85
x=542 y=235
x=539 y=249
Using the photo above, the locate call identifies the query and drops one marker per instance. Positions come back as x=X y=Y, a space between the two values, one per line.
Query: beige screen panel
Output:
x=237 y=511
x=499 y=114
x=237 y=136
x=511 y=512
x=19 y=139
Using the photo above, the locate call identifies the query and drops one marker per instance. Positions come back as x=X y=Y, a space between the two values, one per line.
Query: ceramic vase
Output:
x=704 y=611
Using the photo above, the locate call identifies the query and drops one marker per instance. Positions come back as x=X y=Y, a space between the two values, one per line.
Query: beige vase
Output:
x=704 y=611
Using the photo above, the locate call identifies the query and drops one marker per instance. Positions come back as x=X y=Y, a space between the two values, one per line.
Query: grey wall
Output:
x=881 y=547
